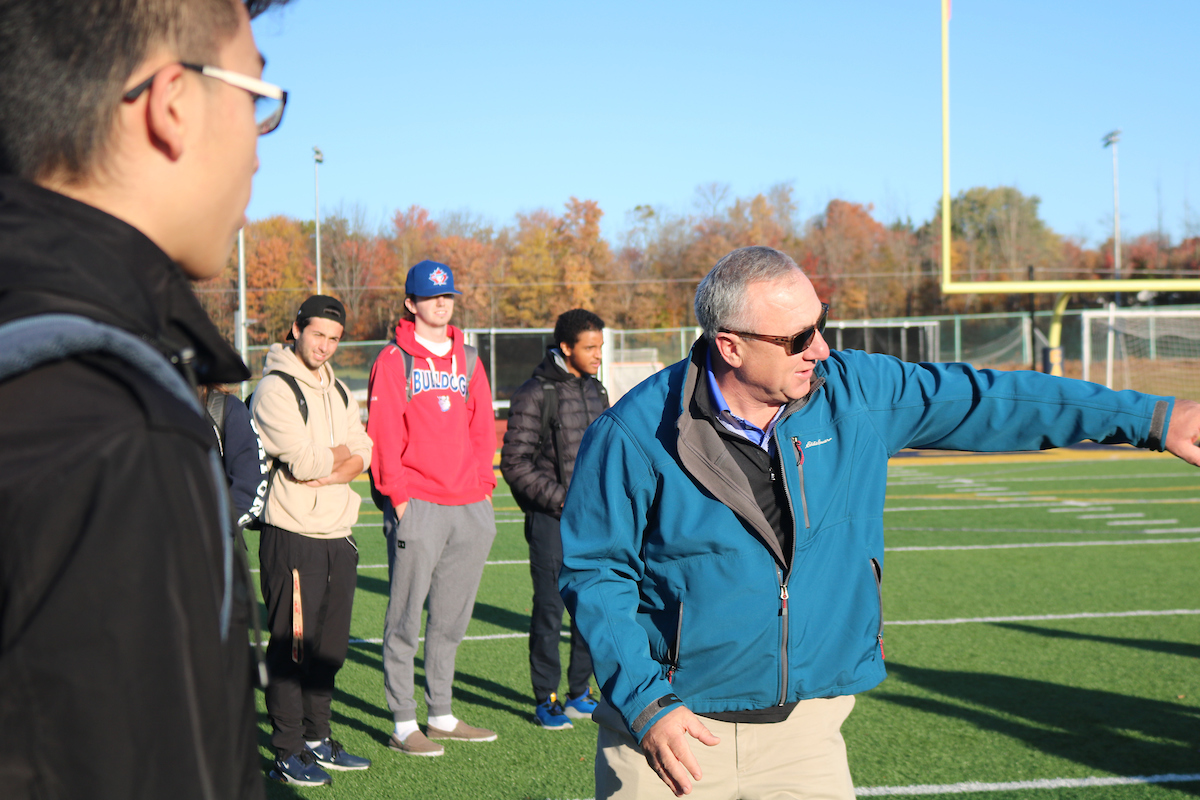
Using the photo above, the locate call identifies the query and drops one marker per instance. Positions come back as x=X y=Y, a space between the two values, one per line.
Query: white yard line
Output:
x=958 y=621
x=1048 y=783
x=1044 y=617
x=1143 y=522
x=939 y=547
x=486 y=563
x=1036 y=544
x=1130 y=515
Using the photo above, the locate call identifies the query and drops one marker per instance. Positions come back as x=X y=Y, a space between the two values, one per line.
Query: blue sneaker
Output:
x=300 y=769
x=330 y=755
x=580 y=707
x=550 y=714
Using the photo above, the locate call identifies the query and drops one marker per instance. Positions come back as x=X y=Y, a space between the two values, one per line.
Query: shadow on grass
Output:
x=501 y=617
x=1098 y=729
x=1186 y=649
x=367 y=583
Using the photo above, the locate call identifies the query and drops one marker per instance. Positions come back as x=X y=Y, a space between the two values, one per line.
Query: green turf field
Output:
x=1043 y=623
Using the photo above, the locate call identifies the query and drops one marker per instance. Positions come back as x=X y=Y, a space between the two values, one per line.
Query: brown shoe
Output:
x=462 y=733
x=415 y=744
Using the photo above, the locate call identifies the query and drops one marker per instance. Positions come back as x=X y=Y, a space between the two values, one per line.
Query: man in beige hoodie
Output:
x=310 y=426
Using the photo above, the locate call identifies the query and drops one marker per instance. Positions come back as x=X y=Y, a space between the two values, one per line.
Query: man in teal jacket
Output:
x=724 y=558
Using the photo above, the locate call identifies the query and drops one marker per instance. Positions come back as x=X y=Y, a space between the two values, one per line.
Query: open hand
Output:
x=667 y=750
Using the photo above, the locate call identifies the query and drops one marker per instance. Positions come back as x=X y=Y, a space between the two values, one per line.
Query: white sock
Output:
x=445 y=722
x=403 y=729
x=314 y=745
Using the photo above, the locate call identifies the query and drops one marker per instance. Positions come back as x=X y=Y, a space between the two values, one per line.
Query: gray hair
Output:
x=721 y=296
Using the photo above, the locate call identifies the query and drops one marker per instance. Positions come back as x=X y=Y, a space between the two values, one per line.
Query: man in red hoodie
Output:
x=432 y=424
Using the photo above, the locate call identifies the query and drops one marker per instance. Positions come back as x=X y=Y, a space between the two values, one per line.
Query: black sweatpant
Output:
x=545 y=625
x=299 y=694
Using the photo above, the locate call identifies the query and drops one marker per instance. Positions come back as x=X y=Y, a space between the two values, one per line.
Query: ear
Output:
x=565 y=348
x=729 y=348
x=167 y=110
x=411 y=306
x=295 y=331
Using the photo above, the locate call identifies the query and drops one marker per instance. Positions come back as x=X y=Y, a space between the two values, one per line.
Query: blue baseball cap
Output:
x=430 y=279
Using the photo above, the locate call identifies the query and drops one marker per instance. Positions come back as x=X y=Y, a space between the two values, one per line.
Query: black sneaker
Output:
x=300 y=769
x=330 y=755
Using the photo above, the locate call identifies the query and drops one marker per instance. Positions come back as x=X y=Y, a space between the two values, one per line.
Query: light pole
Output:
x=239 y=334
x=318 y=160
x=1110 y=140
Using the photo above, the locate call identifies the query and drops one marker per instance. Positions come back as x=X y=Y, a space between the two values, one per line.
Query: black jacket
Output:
x=117 y=682
x=532 y=470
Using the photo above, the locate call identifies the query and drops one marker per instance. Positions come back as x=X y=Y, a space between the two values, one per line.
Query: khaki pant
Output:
x=803 y=757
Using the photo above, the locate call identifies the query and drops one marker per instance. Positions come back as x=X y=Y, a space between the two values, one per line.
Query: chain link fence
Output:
x=998 y=341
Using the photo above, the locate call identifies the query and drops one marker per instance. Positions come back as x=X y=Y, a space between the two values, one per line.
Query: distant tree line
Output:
x=524 y=274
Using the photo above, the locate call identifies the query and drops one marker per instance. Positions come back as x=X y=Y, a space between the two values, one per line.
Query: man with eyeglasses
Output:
x=128 y=142
x=723 y=534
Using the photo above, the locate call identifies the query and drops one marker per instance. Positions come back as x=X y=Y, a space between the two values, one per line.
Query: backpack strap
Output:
x=472 y=360
x=291 y=381
x=31 y=342
x=342 y=391
x=550 y=422
x=214 y=405
x=408 y=370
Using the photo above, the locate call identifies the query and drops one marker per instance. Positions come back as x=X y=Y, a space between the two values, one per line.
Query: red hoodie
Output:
x=439 y=447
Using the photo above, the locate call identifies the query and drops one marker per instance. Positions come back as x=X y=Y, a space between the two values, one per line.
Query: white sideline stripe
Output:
x=1143 y=522
x=1038 y=502
x=942 y=547
x=1048 y=783
x=1045 y=617
x=1172 y=530
x=1032 y=618
x=564 y=634
x=486 y=563
x=1033 y=544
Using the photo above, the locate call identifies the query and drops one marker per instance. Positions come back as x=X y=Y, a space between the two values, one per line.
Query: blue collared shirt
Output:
x=735 y=424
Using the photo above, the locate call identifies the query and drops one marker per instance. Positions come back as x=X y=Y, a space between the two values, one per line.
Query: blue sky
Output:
x=500 y=108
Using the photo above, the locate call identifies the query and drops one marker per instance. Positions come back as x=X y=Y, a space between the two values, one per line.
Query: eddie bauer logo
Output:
x=817 y=442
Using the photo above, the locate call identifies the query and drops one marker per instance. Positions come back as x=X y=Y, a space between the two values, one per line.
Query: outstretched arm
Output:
x=1184 y=431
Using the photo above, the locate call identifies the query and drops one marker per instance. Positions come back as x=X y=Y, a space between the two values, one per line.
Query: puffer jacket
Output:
x=531 y=467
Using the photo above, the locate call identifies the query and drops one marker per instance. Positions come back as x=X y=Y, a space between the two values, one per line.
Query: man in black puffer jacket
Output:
x=547 y=417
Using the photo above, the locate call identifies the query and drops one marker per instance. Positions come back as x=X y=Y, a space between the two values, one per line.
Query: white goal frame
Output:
x=1109 y=316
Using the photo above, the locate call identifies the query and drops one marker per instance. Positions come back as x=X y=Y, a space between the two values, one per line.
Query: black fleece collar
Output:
x=60 y=255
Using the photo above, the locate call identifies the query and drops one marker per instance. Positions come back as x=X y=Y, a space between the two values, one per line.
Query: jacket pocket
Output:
x=676 y=645
x=877 y=574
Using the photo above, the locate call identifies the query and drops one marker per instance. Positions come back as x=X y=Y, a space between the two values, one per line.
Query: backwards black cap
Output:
x=320 y=305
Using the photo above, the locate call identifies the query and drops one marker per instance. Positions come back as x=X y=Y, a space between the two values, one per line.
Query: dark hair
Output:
x=571 y=324
x=64 y=65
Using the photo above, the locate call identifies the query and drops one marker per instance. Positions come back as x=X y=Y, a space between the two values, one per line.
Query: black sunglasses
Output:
x=792 y=345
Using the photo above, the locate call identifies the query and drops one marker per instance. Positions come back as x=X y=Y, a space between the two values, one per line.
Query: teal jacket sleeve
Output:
x=957 y=407
x=606 y=514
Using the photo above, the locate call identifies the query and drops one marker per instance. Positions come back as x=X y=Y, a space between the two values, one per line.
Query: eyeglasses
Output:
x=269 y=99
x=792 y=345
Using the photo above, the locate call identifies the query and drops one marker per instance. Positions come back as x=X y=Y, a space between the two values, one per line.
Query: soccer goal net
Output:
x=1147 y=349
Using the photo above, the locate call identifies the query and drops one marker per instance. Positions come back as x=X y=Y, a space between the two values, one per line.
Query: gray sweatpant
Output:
x=435 y=552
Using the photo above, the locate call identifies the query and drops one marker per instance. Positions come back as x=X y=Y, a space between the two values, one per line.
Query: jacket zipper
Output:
x=783 y=579
x=877 y=574
x=673 y=657
x=800 y=469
